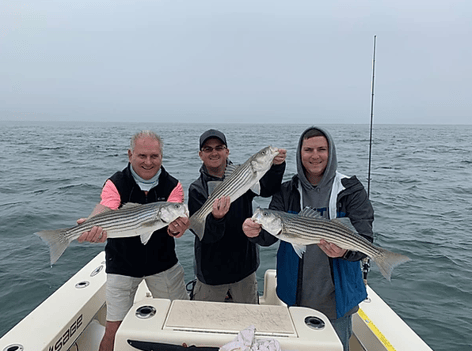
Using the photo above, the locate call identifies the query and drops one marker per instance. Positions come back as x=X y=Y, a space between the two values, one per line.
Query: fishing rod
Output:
x=371 y=118
x=366 y=261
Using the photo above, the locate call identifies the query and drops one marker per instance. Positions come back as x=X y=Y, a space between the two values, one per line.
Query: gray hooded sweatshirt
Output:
x=315 y=262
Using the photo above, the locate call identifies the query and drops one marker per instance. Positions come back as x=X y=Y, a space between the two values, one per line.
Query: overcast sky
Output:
x=293 y=61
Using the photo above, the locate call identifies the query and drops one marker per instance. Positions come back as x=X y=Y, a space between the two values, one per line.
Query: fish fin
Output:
x=345 y=221
x=57 y=242
x=212 y=184
x=145 y=238
x=255 y=206
x=197 y=226
x=299 y=249
x=256 y=188
x=230 y=168
x=98 y=209
x=387 y=260
x=130 y=205
x=309 y=212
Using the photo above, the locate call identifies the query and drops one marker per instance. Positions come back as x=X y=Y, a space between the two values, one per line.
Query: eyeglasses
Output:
x=208 y=149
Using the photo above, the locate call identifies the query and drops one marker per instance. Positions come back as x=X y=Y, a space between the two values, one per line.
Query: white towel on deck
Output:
x=245 y=341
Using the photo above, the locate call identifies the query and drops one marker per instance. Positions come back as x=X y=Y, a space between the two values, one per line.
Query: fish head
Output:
x=269 y=221
x=262 y=161
x=170 y=211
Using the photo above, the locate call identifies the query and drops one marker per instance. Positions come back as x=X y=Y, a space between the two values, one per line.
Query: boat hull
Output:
x=58 y=322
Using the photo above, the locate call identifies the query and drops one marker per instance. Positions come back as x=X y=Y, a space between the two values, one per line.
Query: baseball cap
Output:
x=212 y=133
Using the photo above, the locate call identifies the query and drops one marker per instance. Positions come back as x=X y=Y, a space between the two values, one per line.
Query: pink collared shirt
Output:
x=110 y=197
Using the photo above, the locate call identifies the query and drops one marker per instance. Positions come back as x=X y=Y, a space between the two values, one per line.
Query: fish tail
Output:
x=388 y=260
x=197 y=226
x=57 y=242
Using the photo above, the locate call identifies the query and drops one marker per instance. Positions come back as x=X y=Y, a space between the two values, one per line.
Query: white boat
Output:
x=73 y=318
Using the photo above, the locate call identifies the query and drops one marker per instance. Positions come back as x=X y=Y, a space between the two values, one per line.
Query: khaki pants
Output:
x=121 y=290
x=244 y=291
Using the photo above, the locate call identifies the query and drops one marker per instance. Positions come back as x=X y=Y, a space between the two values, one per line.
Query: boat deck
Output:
x=63 y=323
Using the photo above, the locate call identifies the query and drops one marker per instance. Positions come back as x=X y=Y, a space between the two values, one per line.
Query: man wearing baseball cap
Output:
x=226 y=261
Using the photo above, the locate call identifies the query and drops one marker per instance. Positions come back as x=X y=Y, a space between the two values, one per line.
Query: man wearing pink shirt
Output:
x=128 y=261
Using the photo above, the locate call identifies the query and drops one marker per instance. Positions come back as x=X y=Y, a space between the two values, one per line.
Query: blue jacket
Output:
x=350 y=199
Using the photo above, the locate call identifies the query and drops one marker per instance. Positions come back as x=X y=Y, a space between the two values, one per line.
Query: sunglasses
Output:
x=208 y=149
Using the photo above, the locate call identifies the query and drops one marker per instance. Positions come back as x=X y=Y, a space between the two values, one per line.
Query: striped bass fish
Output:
x=308 y=227
x=130 y=220
x=235 y=184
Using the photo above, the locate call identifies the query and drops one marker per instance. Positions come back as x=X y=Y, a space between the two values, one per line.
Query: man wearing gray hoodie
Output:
x=327 y=278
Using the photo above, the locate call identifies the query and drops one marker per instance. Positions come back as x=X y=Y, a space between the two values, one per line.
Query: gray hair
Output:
x=145 y=134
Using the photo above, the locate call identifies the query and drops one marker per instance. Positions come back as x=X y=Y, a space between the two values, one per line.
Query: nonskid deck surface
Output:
x=229 y=318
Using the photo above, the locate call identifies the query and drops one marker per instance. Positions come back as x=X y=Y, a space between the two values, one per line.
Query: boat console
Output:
x=153 y=322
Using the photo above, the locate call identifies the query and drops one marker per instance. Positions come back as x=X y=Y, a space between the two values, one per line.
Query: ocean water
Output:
x=51 y=174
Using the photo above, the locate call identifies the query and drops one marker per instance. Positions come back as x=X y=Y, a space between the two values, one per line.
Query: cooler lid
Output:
x=226 y=317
